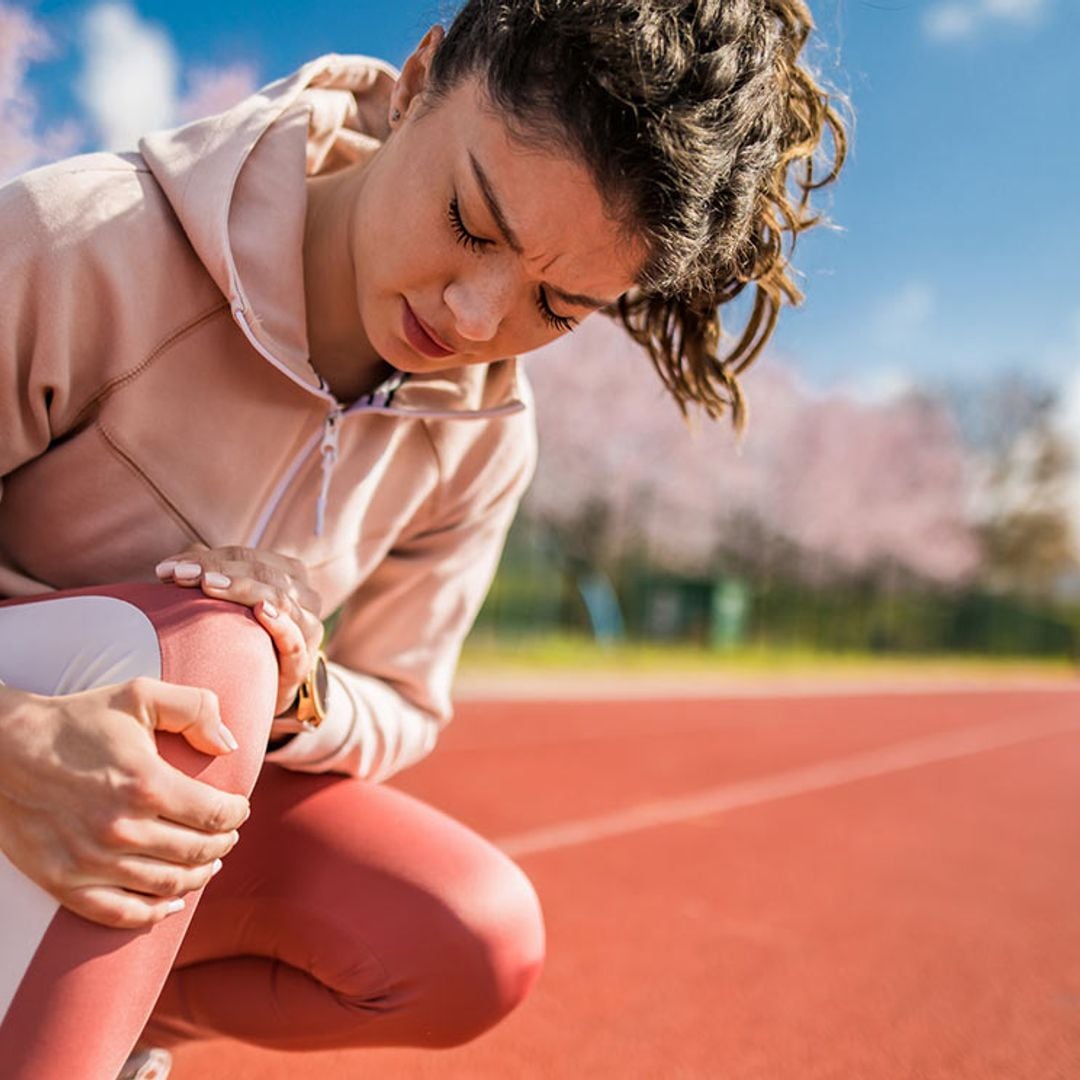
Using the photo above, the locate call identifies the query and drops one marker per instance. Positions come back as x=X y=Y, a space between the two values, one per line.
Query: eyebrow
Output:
x=508 y=234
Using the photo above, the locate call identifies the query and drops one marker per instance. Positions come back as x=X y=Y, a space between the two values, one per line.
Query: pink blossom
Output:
x=213 y=90
x=22 y=42
x=851 y=485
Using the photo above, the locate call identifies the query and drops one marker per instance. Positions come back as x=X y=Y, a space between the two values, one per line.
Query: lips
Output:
x=421 y=337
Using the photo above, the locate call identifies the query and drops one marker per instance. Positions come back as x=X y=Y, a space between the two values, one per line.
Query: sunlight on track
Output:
x=910 y=754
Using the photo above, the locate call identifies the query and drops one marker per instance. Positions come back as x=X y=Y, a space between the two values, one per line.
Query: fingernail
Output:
x=269 y=610
x=215 y=867
x=187 y=570
x=216 y=580
x=173 y=906
x=164 y=569
x=228 y=738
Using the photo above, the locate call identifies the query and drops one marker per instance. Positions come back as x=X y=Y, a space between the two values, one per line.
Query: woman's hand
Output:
x=276 y=589
x=92 y=813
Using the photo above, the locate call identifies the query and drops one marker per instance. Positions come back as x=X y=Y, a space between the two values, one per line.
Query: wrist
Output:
x=308 y=708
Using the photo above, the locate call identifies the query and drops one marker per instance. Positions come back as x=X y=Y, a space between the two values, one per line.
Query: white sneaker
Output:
x=152 y=1063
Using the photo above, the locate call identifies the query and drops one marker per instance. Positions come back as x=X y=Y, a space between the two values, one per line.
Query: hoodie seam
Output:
x=126 y=459
x=132 y=373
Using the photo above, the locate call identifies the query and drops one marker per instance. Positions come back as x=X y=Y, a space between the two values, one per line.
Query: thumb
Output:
x=189 y=711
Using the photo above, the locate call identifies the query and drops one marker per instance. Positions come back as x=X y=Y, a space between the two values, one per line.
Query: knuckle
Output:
x=130 y=919
x=168 y=883
x=203 y=853
x=112 y=832
x=139 y=688
x=117 y=916
x=209 y=703
x=218 y=818
x=139 y=792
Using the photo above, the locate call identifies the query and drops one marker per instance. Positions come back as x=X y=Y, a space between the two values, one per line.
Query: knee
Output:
x=500 y=958
x=219 y=646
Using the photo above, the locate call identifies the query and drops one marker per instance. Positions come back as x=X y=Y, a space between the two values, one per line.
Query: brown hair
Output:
x=702 y=129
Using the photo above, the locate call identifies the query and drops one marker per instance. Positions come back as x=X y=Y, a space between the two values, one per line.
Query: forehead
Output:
x=548 y=197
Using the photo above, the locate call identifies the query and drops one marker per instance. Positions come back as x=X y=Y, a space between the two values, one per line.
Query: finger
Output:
x=189 y=711
x=157 y=878
x=120 y=909
x=183 y=800
x=242 y=589
x=167 y=566
x=285 y=564
x=188 y=572
x=294 y=658
x=153 y=838
x=288 y=588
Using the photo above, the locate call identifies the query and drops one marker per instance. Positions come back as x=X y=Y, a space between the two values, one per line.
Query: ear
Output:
x=414 y=75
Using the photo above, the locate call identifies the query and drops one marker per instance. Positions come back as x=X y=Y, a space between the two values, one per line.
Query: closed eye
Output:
x=473 y=243
x=562 y=323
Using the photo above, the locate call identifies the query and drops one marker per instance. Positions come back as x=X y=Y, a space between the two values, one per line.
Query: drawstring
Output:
x=329 y=451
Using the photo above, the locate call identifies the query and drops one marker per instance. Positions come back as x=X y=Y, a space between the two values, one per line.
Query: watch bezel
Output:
x=312 y=695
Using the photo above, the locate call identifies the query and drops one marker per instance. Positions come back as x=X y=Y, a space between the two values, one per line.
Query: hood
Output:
x=236 y=182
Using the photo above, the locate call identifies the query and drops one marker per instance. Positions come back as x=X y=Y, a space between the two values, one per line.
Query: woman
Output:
x=267 y=360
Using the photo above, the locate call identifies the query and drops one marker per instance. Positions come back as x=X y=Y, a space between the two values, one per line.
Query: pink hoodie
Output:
x=155 y=391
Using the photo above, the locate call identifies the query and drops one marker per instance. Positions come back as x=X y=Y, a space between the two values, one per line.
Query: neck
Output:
x=339 y=348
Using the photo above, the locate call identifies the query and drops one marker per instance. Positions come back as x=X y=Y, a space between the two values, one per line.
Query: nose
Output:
x=478 y=304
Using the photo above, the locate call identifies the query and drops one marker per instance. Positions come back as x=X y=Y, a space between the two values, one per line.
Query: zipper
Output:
x=378 y=401
x=328 y=449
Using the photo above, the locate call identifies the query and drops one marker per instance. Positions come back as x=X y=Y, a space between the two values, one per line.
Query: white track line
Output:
x=826 y=774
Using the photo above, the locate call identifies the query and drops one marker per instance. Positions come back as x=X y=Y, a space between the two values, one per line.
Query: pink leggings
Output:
x=348 y=915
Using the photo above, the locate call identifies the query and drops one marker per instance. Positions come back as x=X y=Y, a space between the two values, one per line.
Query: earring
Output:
x=395 y=116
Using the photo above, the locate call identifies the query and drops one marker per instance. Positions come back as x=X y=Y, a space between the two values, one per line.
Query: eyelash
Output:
x=562 y=323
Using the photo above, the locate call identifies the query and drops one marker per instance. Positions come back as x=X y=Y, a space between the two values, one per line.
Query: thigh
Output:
x=77 y=993
x=427 y=930
x=64 y=644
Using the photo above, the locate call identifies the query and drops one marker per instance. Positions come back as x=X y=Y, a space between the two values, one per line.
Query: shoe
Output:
x=151 y=1063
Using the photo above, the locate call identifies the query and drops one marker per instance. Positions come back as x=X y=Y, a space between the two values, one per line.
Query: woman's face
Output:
x=470 y=247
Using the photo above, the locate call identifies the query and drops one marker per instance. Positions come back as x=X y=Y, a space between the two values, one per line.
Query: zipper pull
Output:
x=328 y=448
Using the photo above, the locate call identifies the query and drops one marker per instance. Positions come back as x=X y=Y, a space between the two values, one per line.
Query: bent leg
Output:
x=353 y=915
x=88 y=989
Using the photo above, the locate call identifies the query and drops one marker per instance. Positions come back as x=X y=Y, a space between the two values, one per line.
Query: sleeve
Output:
x=395 y=649
x=39 y=384
x=58 y=309
x=30 y=381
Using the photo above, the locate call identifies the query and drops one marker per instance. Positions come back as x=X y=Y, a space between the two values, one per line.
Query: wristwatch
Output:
x=309 y=709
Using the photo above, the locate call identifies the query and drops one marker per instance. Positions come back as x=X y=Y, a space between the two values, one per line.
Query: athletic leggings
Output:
x=348 y=915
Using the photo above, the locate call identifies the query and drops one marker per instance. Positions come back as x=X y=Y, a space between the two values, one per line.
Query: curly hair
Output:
x=703 y=131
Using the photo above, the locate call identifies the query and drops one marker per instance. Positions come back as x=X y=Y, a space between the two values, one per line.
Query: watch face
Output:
x=320 y=683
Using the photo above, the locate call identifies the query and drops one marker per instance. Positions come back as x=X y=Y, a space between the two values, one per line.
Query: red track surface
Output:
x=913 y=913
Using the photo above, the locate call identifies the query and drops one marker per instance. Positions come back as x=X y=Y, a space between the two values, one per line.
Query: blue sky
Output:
x=959 y=223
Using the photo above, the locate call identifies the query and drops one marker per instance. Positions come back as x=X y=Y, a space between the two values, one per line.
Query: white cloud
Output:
x=129 y=84
x=956 y=20
x=900 y=317
x=950 y=22
x=879 y=386
x=1018 y=10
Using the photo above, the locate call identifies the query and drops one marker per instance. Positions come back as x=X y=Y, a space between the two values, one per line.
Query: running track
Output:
x=860 y=885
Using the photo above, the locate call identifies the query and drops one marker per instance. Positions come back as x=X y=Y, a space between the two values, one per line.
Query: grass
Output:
x=484 y=654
